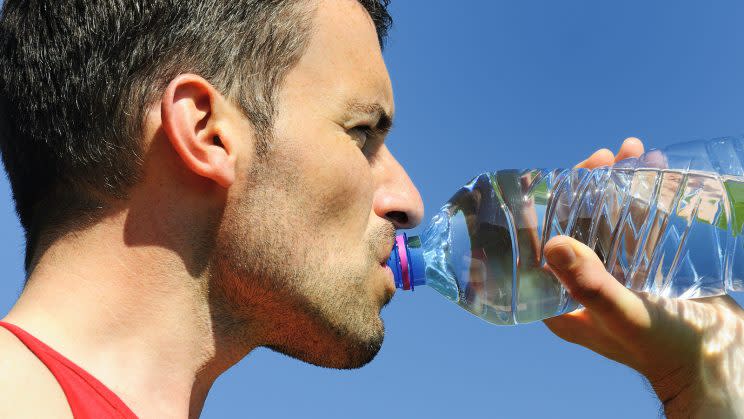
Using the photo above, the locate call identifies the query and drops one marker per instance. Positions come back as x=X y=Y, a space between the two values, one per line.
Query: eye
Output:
x=361 y=134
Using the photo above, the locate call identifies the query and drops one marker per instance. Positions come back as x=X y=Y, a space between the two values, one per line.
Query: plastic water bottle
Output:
x=667 y=223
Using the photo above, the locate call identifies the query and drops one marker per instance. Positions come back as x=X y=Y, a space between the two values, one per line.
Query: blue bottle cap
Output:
x=407 y=263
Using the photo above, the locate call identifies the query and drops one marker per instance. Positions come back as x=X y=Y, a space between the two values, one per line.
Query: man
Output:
x=200 y=178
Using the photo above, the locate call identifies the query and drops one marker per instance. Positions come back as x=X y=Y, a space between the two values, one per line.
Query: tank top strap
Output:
x=88 y=397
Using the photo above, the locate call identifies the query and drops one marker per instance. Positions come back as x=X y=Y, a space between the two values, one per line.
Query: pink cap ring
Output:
x=403 y=255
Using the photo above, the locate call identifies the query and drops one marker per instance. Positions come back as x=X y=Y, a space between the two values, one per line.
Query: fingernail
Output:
x=561 y=257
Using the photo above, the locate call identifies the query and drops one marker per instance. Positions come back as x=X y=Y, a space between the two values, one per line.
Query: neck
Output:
x=131 y=314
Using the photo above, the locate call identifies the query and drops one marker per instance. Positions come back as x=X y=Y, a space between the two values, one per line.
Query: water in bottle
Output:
x=667 y=223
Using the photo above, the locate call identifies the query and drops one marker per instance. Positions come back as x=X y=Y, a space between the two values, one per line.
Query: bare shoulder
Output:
x=27 y=388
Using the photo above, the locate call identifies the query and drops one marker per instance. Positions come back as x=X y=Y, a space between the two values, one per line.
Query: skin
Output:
x=219 y=251
x=689 y=350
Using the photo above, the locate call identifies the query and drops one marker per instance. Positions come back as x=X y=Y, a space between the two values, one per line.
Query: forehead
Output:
x=343 y=61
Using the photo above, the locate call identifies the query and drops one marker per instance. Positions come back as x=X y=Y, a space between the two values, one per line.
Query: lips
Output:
x=386 y=256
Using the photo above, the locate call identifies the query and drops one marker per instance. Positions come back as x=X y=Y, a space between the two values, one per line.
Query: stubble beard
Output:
x=274 y=290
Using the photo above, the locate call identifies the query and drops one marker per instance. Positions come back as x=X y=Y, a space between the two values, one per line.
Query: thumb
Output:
x=585 y=278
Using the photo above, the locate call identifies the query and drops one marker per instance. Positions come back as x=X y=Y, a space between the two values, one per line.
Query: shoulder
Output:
x=27 y=387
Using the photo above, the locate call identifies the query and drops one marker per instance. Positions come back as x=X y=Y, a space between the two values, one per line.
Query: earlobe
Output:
x=190 y=117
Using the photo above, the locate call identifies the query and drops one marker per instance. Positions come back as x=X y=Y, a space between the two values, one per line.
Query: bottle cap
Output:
x=407 y=262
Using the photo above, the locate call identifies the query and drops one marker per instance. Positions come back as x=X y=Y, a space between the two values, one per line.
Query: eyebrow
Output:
x=375 y=110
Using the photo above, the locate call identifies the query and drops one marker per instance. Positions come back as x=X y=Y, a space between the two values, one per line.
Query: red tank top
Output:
x=87 y=396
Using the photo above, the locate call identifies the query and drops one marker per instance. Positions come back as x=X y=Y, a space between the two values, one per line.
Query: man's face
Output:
x=308 y=227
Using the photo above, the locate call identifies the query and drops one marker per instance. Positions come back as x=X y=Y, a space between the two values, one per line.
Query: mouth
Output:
x=385 y=245
x=389 y=249
x=389 y=288
x=384 y=266
x=389 y=279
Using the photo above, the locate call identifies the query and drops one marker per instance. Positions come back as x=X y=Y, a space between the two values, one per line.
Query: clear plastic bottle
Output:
x=668 y=223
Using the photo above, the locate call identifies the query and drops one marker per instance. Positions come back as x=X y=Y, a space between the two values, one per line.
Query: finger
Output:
x=585 y=278
x=580 y=328
x=575 y=327
x=601 y=157
x=632 y=147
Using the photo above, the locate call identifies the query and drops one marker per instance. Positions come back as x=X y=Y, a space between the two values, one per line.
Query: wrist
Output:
x=701 y=403
x=712 y=388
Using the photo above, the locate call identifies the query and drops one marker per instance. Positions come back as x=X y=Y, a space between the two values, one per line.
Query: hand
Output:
x=691 y=351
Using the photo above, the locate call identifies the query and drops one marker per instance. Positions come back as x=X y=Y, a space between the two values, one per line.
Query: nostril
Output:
x=399 y=218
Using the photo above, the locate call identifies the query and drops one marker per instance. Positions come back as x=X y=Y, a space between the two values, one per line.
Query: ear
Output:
x=191 y=116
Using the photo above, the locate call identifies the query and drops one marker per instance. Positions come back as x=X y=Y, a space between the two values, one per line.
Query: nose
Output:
x=396 y=197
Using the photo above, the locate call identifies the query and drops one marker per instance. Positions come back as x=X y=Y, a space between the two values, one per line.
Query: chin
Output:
x=362 y=356
x=335 y=350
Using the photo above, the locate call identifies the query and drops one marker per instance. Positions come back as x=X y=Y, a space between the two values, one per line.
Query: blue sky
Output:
x=483 y=85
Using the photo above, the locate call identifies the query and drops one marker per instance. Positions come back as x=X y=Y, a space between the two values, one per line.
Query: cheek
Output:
x=341 y=182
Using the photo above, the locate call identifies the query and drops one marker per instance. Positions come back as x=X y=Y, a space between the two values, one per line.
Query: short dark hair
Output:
x=76 y=78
